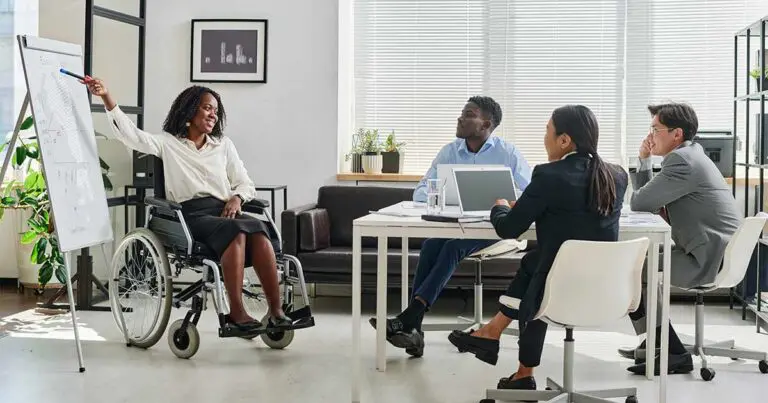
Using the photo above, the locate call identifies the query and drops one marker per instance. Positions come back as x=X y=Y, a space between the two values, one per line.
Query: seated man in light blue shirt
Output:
x=439 y=258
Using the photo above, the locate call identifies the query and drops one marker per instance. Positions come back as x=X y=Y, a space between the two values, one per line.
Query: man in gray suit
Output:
x=691 y=194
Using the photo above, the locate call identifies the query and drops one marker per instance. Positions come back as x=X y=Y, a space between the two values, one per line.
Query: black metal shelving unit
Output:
x=743 y=40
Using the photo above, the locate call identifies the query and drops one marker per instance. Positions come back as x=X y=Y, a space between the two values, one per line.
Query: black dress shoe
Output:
x=635 y=353
x=527 y=383
x=678 y=364
x=412 y=340
x=485 y=350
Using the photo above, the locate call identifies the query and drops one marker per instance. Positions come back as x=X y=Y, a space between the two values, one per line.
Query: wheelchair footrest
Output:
x=302 y=318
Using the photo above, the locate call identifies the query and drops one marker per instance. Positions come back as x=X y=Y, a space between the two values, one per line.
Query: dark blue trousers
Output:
x=438 y=260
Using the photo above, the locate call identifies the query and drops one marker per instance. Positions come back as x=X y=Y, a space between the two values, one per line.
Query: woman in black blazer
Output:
x=576 y=195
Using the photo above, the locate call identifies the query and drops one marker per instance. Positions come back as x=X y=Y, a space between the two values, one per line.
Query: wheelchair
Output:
x=144 y=283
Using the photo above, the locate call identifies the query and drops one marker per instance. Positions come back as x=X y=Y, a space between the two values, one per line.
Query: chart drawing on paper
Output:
x=65 y=134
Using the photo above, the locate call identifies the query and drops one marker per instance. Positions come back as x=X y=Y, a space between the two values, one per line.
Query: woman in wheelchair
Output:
x=206 y=176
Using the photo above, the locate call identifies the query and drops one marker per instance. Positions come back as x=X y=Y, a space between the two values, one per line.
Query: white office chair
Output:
x=504 y=249
x=570 y=300
x=735 y=262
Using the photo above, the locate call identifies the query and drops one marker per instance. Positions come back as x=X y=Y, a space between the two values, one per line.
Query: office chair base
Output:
x=557 y=393
x=726 y=348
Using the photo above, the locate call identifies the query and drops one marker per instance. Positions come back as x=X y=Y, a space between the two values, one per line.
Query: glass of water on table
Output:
x=435 y=196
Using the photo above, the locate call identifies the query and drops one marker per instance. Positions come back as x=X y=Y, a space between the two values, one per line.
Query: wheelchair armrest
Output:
x=162 y=203
x=255 y=206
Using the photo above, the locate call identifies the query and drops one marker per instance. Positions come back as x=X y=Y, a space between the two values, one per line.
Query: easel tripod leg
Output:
x=72 y=311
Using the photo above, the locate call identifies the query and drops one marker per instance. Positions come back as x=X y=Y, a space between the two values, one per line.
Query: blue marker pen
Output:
x=69 y=73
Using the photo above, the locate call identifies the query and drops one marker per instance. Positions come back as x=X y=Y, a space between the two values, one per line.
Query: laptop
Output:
x=445 y=174
x=478 y=188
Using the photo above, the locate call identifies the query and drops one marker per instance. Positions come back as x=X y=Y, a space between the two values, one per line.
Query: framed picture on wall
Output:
x=229 y=51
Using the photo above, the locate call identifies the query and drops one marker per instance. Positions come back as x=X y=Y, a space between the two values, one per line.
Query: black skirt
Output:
x=203 y=217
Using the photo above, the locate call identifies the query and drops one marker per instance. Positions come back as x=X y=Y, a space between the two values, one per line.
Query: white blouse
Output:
x=213 y=170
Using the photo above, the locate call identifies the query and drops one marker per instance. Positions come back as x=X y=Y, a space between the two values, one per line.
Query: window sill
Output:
x=359 y=177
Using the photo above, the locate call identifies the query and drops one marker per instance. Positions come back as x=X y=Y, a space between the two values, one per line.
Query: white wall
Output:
x=285 y=130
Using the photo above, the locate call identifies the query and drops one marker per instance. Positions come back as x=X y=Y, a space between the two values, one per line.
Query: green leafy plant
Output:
x=357 y=138
x=370 y=141
x=32 y=195
x=391 y=144
x=755 y=73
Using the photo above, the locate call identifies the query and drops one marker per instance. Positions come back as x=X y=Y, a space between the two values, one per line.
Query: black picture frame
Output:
x=214 y=58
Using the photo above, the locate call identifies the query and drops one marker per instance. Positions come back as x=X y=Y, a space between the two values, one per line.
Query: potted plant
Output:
x=354 y=153
x=392 y=157
x=370 y=147
x=31 y=195
x=755 y=73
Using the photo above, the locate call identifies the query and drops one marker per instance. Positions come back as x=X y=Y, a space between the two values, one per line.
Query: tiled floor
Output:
x=38 y=363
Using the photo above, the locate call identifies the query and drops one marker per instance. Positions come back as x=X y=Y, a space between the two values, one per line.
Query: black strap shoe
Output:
x=485 y=350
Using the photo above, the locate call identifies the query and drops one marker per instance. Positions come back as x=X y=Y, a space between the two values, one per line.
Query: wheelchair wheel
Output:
x=184 y=344
x=140 y=288
x=276 y=340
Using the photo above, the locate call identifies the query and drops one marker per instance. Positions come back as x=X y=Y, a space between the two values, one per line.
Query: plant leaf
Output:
x=61 y=274
x=107 y=182
x=27 y=123
x=42 y=245
x=28 y=237
x=2 y=212
x=103 y=164
x=7 y=201
x=33 y=152
x=45 y=273
x=33 y=257
x=31 y=179
x=21 y=155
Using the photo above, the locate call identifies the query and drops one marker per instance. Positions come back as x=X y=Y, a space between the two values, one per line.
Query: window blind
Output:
x=547 y=53
x=416 y=64
x=682 y=51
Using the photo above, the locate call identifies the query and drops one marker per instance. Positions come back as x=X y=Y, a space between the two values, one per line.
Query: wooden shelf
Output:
x=350 y=176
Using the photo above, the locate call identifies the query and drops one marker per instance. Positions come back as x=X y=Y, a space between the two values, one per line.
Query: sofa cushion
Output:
x=347 y=203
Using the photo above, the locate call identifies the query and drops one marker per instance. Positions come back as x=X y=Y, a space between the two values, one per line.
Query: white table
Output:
x=405 y=222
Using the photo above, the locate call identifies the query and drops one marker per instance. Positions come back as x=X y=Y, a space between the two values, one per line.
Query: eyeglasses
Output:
x=656 y=131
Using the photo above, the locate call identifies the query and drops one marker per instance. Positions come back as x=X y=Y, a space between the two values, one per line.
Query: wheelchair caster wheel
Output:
x=184 y=344
x=276 y=340
x=631 y=399
x=707 y=374
x=763 y=365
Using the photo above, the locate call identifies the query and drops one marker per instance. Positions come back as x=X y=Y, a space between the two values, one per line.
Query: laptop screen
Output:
x=479 y=189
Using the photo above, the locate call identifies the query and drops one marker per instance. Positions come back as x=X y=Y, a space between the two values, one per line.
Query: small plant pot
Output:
x=372 y=163
x=757 y=84
x=357 y=163
x=391 y=162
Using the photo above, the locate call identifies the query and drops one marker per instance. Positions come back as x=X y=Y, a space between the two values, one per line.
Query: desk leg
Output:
x=356 y=297
x=664 y=359
x=381 y=305
x=404 y=275
x=651 y=307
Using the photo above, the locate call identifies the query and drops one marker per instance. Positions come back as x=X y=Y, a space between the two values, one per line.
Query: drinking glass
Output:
x=435 y=196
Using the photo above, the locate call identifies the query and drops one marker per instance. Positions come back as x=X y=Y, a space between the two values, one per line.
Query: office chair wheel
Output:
x=707 y=374
x=631 y=399
x=763 y=365
x=140 y=288
x=276 y=340
x=184 y=344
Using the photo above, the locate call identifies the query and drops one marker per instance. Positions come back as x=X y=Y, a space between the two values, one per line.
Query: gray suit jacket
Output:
x=700 y=208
